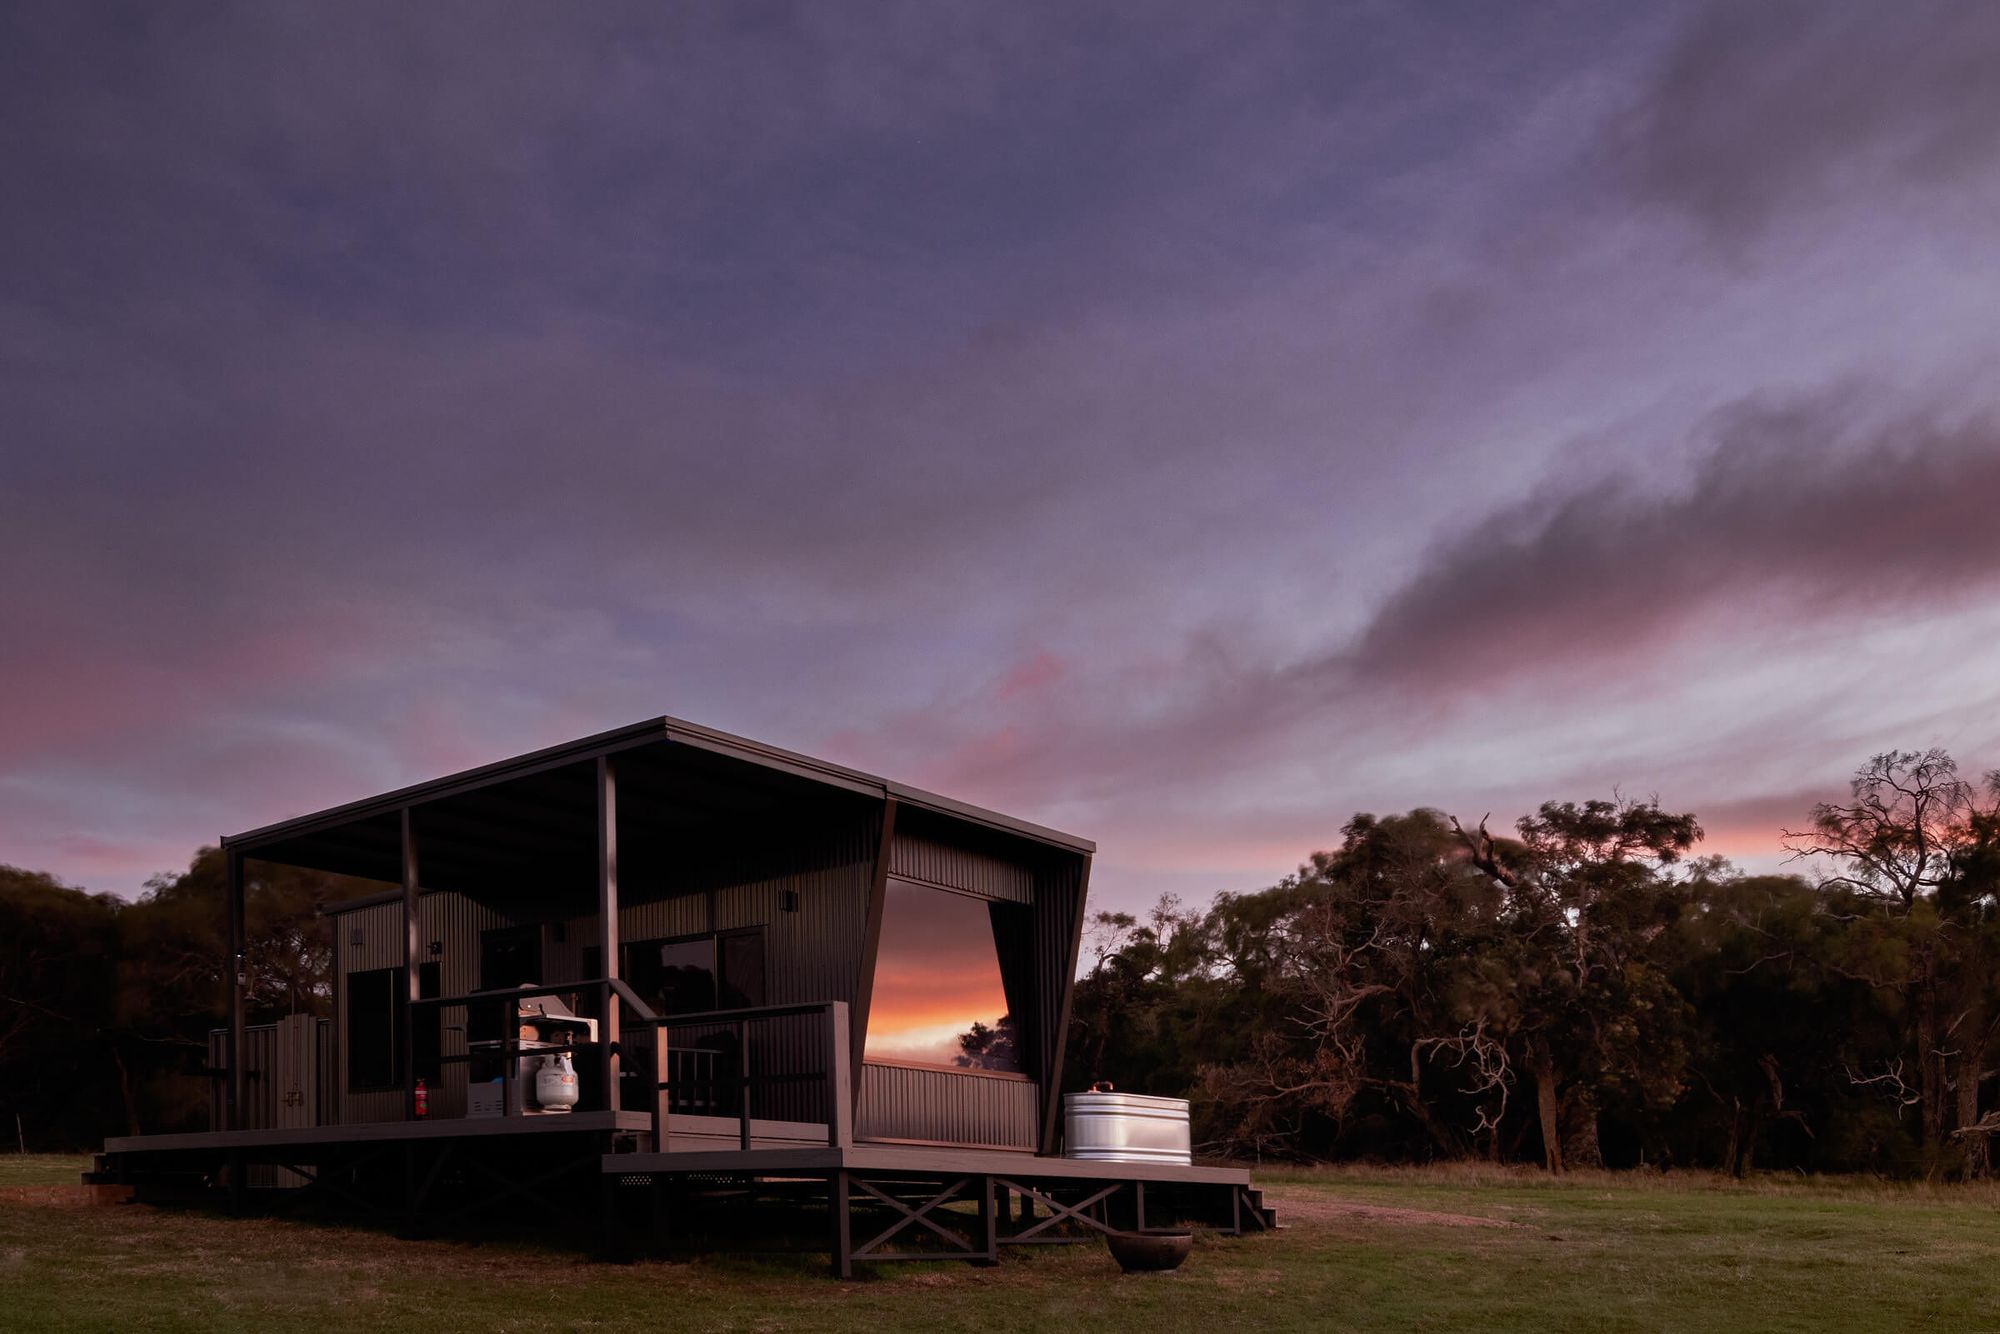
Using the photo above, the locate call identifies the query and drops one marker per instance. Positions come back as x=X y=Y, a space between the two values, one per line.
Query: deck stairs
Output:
x=1266 y=1215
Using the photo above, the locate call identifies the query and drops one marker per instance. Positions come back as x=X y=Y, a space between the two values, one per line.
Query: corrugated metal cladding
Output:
x=260 y=1058
x=372 y=937
x=277 y=1059
x=1057 y=920
x=914 y=1104
x=811 y=954
x=955 y=857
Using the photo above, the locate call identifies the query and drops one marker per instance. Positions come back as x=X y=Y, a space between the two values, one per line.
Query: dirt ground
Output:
x=1300 y=1209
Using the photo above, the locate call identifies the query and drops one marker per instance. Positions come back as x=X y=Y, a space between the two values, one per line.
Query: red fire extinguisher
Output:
x=423 y=1101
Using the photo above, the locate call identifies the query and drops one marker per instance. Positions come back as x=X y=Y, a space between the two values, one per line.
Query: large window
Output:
x=371 y=1029
x=693 y=974
x=939 y=996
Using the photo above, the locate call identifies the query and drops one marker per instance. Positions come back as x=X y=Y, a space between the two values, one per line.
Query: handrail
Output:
x=690 y=1019
x=630 y=997
x=837 y=1077
x=509 y=1054
x=624 y=992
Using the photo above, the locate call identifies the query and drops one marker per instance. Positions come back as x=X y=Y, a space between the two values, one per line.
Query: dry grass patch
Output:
x=1299 y=1208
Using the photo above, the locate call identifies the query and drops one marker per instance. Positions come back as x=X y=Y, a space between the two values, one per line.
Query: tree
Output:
x=1917 y=847
x=58 y=949
x=1577 y=978
x=1363 y=956
x=1778 y=1021
x=1153 y=1006
x=989 y=1048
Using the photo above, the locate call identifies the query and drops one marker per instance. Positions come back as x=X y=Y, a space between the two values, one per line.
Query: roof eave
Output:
x=651 y=731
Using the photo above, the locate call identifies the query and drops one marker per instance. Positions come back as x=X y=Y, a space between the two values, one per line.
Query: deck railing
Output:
x=708 y=1077
x=812 y=1064
x=507 y=1047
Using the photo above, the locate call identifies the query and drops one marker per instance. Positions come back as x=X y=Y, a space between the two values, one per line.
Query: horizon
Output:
x=1185 y=428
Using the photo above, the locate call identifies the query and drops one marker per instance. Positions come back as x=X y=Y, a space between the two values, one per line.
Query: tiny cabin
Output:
x=678 y=952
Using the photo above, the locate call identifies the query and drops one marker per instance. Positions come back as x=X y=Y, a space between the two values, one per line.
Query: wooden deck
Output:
x=698 y=1144
x=913 y=1160
x=600 y=1174
x=382 y=1132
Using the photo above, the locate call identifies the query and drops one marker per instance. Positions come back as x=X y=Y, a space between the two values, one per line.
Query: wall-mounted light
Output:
x=791 y=900
x=437 y=948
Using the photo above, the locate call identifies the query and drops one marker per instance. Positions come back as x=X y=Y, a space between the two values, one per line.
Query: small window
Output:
x=742 y=980
x=371 y=1029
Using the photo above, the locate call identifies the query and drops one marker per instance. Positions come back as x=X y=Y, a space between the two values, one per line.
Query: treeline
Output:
x=105 y=1004
x=1586 y=992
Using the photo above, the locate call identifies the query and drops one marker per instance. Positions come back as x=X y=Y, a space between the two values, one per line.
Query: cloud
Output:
x=1792 y=515
x=1761 y=108
x=1057 y=405
x=1799 y=523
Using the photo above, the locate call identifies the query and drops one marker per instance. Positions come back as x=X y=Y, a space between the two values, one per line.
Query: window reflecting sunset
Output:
x=938 y=996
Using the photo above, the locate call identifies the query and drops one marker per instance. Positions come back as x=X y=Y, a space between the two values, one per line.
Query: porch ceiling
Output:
x=532 y=838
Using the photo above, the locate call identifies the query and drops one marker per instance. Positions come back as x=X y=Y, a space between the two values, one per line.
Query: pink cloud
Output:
x=1031 y=677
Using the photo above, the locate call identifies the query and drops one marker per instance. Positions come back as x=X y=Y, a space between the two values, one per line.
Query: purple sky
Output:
x=1183 y=425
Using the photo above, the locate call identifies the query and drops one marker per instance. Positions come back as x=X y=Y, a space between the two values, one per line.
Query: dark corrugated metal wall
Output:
x=928 y=851
x=1058 y=917
x=934 y=1106
x=811 y=954
x=455 y=922
x=260 y=1056
x=266 y=1077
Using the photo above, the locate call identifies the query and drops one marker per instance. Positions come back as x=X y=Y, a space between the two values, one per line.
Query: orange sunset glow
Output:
x=936 y=974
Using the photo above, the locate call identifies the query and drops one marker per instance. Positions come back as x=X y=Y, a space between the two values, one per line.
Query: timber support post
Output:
x=234 y=1117
x=842 y=1224
x=407 y=1025
x=871 y=941
x=607 y=926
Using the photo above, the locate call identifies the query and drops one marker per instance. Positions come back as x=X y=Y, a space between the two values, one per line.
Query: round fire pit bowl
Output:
x=1150 y=1250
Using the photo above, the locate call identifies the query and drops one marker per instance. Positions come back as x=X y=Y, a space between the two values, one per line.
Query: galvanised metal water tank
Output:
x=1125 y=1128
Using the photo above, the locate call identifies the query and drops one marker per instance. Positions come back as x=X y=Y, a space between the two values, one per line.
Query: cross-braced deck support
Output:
x=964 y=1237
x=968 y=1217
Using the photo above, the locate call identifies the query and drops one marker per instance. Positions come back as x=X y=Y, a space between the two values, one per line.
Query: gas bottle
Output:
x=423 y=1101
x=555 y=1083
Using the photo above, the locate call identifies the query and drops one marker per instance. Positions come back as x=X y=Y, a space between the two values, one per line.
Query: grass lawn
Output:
x=41 y=1169
x=1384 y=1249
